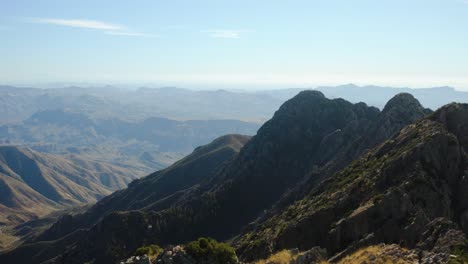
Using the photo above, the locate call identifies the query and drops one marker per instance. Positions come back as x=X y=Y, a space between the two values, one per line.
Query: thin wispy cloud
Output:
x=225 y=33
x=106 y=28
x=80 y=23
x=130 y=34
x=175 y=27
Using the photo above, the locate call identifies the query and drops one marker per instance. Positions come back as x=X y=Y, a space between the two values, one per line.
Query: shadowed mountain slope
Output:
x=161 y=189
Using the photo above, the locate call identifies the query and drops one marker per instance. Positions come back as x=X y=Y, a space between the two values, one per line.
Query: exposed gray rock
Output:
x=137 y=260
x=313 y=255
x=174 y=255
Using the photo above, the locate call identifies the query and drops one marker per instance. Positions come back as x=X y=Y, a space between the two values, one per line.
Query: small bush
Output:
x=461 y=254
x=150 y=250
x=209 y=249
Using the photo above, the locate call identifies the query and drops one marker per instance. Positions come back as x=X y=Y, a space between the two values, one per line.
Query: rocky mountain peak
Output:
x=403 y=102
x=310 y=93
x=401 y=110
x=302 y=99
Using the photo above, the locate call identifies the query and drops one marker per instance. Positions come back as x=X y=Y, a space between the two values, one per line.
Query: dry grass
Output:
x=375 y=255
x=378 y=254
x=281 y=257
x=6 y=240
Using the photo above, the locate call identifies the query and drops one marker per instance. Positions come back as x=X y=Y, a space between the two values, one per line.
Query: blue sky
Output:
x=235 y=44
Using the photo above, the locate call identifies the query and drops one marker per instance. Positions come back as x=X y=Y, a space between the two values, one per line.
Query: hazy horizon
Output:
x=251 y=88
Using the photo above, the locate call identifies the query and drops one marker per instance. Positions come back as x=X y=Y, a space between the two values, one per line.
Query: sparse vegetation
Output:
x=381 y=254
x=460 y=253
x=152 y=251
x=281 y=257
x=209 y=249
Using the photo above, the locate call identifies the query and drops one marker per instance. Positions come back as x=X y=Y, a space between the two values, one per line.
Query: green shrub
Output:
x=461 y=254
x=210 y=249
x=150 y=250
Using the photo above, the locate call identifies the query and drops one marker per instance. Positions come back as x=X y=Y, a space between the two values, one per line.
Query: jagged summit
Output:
x=403 y=101
x=302 y=99
x=310 y=93
x=401 y=110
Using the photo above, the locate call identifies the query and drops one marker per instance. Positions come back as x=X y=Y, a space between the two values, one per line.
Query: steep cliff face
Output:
x=402 y=192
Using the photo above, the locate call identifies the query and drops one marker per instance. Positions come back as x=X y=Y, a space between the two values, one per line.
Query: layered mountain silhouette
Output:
x=142 y=146
x=63 y=126
x=108 y=102
x=33 y=184
x=223 y=192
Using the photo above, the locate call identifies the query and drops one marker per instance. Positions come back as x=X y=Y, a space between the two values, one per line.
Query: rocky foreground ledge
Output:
x=381 y=253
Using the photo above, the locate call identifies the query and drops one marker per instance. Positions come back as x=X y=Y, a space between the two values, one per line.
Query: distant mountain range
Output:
x=18 y=104
x=142 y=146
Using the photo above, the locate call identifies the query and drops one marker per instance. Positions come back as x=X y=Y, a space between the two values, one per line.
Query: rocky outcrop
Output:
x=175 y=255
x=313 y=255
x=137 y=260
